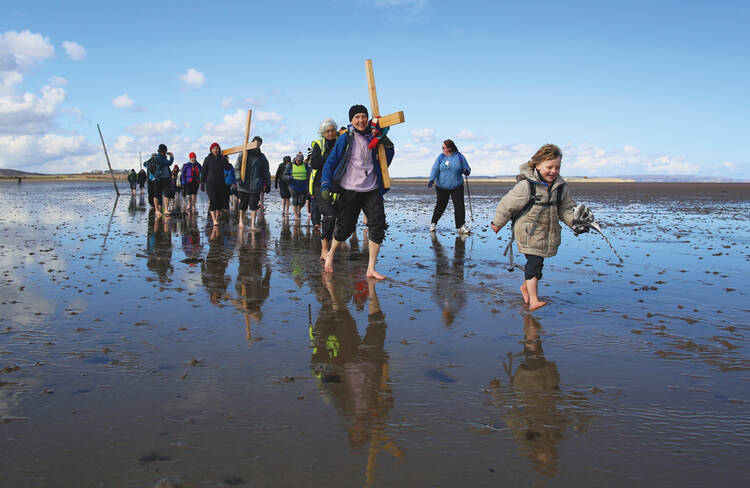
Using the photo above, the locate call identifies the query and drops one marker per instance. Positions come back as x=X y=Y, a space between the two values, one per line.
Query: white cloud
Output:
x=152 y=128
x=58 y=81
x=123 y=101
x=267 y=117
x=48 y=153
x=193 y=78
x=123 y=143
x=20 y=50
x=728 y=165
x=467 y=135
x=30 y=113
x=75 y=51
x=422 y=135
x=226 y=102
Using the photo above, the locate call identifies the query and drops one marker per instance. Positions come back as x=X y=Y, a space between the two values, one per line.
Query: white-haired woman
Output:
x=321 y=148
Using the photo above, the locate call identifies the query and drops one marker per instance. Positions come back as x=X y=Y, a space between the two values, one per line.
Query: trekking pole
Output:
x=468 y=194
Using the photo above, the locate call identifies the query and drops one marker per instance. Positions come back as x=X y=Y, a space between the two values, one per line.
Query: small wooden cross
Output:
x=385 y=121
x=244 y=148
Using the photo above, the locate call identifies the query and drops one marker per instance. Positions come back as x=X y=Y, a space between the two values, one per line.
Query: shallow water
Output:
x=133 y=350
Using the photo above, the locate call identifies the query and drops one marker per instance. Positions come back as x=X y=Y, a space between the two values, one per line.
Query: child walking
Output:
x=535 y=205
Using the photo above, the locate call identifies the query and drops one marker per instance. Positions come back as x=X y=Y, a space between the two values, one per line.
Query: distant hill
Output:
x=14 y=173
x=680 y=179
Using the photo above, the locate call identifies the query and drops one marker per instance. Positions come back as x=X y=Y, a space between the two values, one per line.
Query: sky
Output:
x=623 y=87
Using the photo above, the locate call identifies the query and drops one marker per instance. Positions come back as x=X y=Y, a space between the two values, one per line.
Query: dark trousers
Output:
x=314 y=211
x=348 y=206
x=533 y=268
x=457 y=196
x=327 y=216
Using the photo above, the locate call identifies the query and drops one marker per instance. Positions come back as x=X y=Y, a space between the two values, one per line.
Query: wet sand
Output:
x=135 y=350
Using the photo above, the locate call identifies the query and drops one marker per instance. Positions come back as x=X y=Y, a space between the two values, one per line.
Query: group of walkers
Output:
x=341 y=178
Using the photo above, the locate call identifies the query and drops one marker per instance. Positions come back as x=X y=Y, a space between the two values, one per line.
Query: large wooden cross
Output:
x=385 y=121
x=244 y=148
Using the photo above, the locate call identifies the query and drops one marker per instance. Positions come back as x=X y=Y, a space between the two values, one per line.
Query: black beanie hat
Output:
x=162 y=148
x=357 y=109
x=287 y=159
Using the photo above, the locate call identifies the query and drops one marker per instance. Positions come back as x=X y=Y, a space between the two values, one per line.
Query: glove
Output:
x=377 y=132
x=580 y=229
x=325 y=195
x=430 y=183
x=267 y=188
x=466 y=172
x=203 y=187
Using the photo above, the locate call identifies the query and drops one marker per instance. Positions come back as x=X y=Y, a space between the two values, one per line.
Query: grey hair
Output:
x=325 y=124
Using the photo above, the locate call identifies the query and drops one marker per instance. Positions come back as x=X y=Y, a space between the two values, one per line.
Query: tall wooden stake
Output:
x=107 y=156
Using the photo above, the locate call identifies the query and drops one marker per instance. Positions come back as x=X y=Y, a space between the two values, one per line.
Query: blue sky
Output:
x=623 y=87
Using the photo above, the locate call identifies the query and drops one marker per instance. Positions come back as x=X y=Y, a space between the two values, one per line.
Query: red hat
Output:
x=212 y=146
x=191 y=155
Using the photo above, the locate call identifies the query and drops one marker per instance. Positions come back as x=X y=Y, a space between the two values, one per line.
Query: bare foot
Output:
x=525 y=293
x=323 y=256
x=253 y=228
x=536 y=305
x=328 y=266
x=375 y=274
x=241 y=225
x=216 y=223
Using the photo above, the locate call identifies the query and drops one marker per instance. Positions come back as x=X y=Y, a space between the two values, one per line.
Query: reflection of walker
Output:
x=378 y=436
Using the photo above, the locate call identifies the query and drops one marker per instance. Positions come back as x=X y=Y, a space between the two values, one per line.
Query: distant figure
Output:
x=534 y=206
x=323 y=209
x=142 y=179
x=19 y=181
x=132 y=180
x=190 y=178
x=163 y=182
x=449 y=170
x=280 y=183
x=212 y=181
x=257 y=181
x=230 y=180
x=296 y=176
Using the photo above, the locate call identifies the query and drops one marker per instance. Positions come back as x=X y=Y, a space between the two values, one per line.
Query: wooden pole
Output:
x=107 y=156
x=376 y=113
x=247 y=136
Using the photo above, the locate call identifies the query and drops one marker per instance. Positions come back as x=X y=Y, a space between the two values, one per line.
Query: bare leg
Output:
x=157 y=207
x=242 y=219
x=524 y=292
x=373 y=259
x=328 y=267
x=215 y=217
x=252 y=219
x=531 y=287
x=323 y=249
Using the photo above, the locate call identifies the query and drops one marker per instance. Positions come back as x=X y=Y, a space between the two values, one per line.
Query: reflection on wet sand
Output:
x=159 y=247
x=533 y=407
x=352 y=371
x=214 y=266
x=253 y=284
x=448 y=288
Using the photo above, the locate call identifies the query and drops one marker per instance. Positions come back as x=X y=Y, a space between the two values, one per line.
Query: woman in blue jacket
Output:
x=448 y=172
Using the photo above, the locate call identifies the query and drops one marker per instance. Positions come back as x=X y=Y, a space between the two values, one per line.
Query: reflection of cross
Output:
x=385 y=121
x=244 y=148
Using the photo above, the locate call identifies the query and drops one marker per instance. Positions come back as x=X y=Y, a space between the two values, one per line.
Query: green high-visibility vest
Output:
x=321 y=144
x=299 y=172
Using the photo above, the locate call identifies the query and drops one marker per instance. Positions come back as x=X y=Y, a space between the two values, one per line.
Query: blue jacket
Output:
x=230 y=177
x=335 y=166
x=164 y=163
x=447 y=172
x=296 y=185
x=186 y=175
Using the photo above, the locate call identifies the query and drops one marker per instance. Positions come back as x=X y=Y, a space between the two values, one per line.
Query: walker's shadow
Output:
x=532 y=405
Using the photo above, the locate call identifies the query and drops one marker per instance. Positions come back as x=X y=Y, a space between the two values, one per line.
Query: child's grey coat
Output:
x=546 y=238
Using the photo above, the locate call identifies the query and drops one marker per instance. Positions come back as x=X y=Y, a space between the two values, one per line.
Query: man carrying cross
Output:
x=353 y=171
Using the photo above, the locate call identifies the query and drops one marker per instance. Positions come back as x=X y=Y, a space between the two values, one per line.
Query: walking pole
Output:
x=107 y=156
x=468 y=194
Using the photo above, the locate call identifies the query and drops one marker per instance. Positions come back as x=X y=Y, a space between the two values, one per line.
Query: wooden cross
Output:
x=244 y=148
x=385 y=121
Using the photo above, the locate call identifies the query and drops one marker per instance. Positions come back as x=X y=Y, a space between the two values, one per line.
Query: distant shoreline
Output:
x=396 y=181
